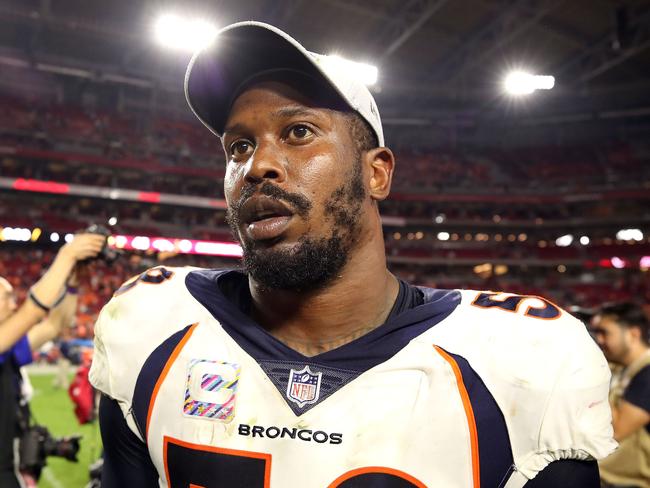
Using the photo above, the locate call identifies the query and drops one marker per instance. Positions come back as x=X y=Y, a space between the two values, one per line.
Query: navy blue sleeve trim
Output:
x=148 y=377
x=567 y=473
x=495 y=452
x=126 y=458
x=638 y=391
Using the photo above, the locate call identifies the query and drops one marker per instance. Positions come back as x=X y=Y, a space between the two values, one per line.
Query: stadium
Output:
x=521 y=131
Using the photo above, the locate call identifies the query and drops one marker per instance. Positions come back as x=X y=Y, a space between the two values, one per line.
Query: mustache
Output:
x=297 y=201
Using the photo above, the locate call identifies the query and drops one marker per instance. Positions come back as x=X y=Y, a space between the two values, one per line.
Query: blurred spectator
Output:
x=622 y=331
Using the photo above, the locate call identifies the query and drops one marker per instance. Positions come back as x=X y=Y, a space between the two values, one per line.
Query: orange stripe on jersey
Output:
x=165 y=370
x=220 y=450
x=376 y=469
x=469 y=413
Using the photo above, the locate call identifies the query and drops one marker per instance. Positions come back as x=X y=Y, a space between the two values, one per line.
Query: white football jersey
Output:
x=468 y=389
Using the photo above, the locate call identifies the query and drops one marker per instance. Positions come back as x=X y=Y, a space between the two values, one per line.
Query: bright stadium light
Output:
x=141 y=243
x=54 y=237
x=163 y=245
x=184 y=34
x=112 y=221
x=564 y=241
x=584 y=240
x=644 y=262
x=521 y=83
x=629 y=235
x=366 y=73
x=185 y=245
x=19 y=234
x=120 y=241
x=443 y=236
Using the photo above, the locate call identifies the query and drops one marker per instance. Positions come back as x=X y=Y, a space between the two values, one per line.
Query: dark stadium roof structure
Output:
x=440 y=61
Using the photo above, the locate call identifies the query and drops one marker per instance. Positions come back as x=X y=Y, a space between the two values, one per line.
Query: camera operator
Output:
x=51 y=304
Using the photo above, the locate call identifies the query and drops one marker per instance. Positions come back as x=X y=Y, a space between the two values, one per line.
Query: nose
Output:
x=265 y=164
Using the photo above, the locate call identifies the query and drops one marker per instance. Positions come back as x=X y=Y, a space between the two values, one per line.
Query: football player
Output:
x=314 y=366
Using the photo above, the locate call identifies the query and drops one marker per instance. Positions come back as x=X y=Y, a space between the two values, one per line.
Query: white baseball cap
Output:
x=245 y=49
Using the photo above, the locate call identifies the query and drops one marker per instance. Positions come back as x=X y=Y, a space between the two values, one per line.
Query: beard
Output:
x=618 y=353
x=313 y=262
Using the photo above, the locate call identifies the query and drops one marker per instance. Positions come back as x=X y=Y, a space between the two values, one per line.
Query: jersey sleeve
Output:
x=547 y=375
x=99 y=374
x=567 y=473
x=576 y=421
x=131 y=325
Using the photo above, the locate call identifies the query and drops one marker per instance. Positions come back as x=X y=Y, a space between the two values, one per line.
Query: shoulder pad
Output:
x=143 y=312
x=543 y=369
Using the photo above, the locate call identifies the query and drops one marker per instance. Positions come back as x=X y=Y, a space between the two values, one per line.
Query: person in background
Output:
x=16 y=321
x=50 y=305
x=622 y=332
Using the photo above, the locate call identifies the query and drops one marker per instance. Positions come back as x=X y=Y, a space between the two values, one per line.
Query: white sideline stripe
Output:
x=51 y=479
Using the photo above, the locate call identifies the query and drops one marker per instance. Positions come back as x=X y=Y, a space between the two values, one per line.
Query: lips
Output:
x=265 y=217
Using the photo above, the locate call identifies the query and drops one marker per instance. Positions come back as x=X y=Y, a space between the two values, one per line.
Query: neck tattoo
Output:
x=314 y=347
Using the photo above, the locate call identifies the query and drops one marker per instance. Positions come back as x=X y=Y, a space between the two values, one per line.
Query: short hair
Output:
x=628 y=315
x=362 y=134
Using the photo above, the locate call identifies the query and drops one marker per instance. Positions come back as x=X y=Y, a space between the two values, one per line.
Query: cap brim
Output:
x=240 y=51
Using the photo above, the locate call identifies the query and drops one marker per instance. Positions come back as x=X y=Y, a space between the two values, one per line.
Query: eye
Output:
x=240 y=148
x=299 y=132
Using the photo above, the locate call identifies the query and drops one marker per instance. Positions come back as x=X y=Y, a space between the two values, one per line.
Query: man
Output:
x=316 y=367
x=21 y=332
x=622 y=332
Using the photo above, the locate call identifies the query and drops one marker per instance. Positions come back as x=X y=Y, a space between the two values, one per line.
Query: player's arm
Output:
x=567 y=473
x=575 y=429
x=633 y=410
x=126 y=458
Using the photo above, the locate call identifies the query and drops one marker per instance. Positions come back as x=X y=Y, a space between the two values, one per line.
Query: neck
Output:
x=357 y=300
x=635 y=353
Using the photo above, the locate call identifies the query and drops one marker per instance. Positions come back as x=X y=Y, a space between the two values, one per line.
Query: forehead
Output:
x=606 y=322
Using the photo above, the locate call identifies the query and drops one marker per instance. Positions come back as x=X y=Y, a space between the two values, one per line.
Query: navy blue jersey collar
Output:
x=359 y=355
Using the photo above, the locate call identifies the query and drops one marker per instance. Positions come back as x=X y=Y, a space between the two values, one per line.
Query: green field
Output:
x=52 y=407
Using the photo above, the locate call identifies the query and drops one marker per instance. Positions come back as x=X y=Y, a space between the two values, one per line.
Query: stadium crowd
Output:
x=90 y=146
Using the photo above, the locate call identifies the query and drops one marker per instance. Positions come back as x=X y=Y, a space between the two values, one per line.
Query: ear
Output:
x=635 y=333
x=381 y=162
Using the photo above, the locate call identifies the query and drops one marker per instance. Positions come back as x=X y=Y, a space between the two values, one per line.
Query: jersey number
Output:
x=195 y=466
x=511 y=303
x=153 y=276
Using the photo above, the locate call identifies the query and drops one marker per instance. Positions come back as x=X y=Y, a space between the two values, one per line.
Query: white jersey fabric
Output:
x=469 y=389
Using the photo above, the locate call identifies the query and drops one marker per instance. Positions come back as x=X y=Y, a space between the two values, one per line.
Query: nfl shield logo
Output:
x=304 y=386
